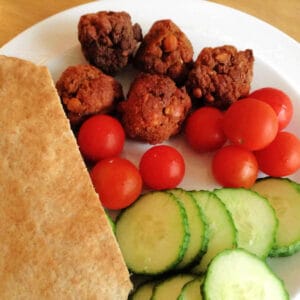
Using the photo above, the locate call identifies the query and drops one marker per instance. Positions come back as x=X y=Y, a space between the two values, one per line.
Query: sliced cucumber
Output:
x=221 y=229
x=284 y=196
x=153 y=233
x=170 y=288
x=111 y=222
x=237 y=274
x=143 y=291
x=192 y=290
x=198 y=229
x=253 y=217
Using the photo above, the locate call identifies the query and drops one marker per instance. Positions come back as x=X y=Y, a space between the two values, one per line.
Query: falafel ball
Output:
x=220 y=76
x=108 y=39
x=85 y=90
x=155 y=108
x=165 y=50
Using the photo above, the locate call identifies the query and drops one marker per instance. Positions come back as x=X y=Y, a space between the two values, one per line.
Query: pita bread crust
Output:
x=56 y=242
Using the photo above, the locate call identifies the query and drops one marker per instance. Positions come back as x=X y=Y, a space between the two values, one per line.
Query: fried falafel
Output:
x=220 y=76
x=108 y=39
x=85 y=90
x=155 y=108
x=165 y=50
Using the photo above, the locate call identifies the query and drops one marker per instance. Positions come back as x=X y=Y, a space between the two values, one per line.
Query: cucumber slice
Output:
x=192 y=290
x=153 y=233
x=198 y=229
x=221 y=230
x=143 y=291
x=284 y=196
x=253 y=217
x=237 y=274
x=170 y=288
x=111 y=222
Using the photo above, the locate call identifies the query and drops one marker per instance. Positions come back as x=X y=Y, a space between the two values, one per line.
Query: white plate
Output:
x=53 y=42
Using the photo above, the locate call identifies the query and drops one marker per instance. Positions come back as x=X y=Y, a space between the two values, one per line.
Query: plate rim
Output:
x=288 y=67
x=285 y=49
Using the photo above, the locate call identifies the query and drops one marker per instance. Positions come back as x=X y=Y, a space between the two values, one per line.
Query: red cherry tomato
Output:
x=234 y=166
x=203 y=130
x=101 y=136
x=117 y=181
x=250 y=123
x=281 y=157
x=162 y=167
x=280 y=102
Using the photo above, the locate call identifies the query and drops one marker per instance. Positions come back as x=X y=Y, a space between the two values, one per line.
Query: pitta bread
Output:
x=55 y=240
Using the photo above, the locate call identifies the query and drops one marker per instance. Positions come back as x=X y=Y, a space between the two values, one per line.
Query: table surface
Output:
x=18 y=15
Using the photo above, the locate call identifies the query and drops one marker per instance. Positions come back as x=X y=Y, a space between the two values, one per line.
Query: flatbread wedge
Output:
x=55 y=240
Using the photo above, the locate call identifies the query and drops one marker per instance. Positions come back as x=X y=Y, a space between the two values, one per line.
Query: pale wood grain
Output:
x=283 y=14
x=18 y=15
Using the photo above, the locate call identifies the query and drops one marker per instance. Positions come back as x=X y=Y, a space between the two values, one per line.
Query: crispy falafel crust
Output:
x=155 y=108
x=85 y=91
x=56 y=242
x=220 y=76
x=108 y=39
x=165 y=50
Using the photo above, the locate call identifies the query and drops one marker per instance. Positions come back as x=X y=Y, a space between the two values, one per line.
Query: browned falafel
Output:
x=108 y=39
x=220 y=76
x=155 y=108
x=165 y=50
x=85 y=90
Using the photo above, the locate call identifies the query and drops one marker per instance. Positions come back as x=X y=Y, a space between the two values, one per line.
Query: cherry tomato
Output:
x=101 y=136
x=281 y=157
x=234 y=166
x=162 y=167
x=203 y=130
x=117 y=181
x=279 y=101
x=250 y=123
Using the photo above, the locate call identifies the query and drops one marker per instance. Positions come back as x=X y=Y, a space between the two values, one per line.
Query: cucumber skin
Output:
x=111 y=222
x=272 y=243
x=276 y=226
x=199 y=280
x=196 y=260
x=185 y=242
x=234 y=245
x=168 y=278
x=132 y=294
x=205 y=235
x=203 y=286
x=287 y=250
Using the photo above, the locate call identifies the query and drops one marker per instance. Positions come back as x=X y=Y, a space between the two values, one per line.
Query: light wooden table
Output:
x=17 y=15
